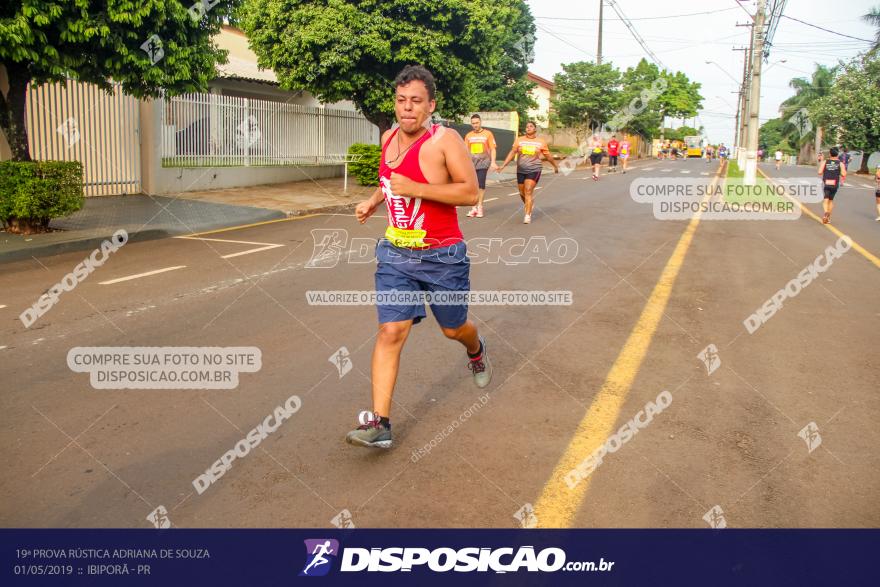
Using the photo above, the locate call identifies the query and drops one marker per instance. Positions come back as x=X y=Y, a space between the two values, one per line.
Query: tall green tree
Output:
x=341 y=50
x=502 y=84
x=680 y=99
x=587 y=95
x=851 y=109
x=795 y=109
x=641 y=114
x=773 y=136
x=873 y=18
x=147 y=46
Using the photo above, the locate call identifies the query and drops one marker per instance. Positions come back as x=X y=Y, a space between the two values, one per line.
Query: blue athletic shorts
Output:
x=431 y=270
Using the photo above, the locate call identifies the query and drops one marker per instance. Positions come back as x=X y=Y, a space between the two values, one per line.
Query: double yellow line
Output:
x=557 y=505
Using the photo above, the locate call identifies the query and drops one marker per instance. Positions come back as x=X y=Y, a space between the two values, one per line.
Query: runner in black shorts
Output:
x=481 y=146
x=529 y=150
x=833 y=175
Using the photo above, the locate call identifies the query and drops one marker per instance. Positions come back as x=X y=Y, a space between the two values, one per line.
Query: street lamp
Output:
x=775 y=63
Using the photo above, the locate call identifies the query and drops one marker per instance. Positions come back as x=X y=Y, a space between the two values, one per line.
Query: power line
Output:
x=638 y=18
x=824 y=29
x=552 y=34
x=635 y=34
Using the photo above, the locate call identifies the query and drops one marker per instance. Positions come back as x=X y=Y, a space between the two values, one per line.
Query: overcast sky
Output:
x=685 y=43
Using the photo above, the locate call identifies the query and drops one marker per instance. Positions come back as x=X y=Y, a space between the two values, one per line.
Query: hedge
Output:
x=366 y=170
x=34 y=192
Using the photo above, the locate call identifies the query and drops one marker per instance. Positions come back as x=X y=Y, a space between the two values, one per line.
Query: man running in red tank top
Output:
x=424 y=173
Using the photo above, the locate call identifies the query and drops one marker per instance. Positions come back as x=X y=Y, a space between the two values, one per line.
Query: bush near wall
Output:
x=34 y=192
x=366 y=170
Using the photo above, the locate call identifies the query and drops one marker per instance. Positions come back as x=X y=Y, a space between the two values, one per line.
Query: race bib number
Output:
x=406 y=238
x=597 y=150
x=476 y=148
x=831 y=182
x=528 y=149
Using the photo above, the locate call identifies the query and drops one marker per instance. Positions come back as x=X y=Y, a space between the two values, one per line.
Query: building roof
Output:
x=545 y=83
x=244 y=69
x=241 y=60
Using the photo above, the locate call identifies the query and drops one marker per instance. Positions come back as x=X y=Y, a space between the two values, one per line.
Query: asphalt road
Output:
x=648 y=296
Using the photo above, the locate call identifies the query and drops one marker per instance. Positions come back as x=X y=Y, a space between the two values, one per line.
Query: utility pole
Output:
x=755 y=96
x=746 y=87
x=599 y=49
x=740 y=130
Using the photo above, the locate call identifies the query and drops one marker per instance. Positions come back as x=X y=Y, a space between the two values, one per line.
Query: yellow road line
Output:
x=856 y=246
x=557 y=505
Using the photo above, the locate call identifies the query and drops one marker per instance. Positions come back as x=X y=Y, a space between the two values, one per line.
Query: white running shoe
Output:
x=527 y=219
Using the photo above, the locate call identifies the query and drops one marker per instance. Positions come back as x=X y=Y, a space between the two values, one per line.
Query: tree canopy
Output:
x=342 y=50
x=146 y=46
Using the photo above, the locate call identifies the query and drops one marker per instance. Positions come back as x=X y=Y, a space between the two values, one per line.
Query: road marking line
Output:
x=665 y=170
x=803 y=181
x=856 y=246
x=513 y=194
x=489 y=200
x=252 y=224
x=649 y=169
x=704 y=173
x=2 y=306
x=557 y=505
x=147 y=274
x=2 y=347
x=264 y=247
x=685 y=171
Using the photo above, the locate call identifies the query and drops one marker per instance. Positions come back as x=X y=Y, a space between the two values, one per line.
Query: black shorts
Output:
x=595 y=158
x=533 y=175
x=612 y=160
x=481 y=177
x=830 y=192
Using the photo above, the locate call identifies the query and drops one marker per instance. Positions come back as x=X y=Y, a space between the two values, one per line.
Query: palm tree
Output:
x=799 y=131
x=873 y=18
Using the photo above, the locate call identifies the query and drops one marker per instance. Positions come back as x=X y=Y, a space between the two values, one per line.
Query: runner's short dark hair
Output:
x=416 y=72
x=475 y=115
x=532 y=122
x=834 y=151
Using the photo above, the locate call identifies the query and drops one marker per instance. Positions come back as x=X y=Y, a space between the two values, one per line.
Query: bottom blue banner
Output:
x=435 y=557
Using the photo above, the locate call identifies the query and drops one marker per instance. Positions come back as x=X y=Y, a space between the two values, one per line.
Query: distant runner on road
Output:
x=778 y=156
x=613 y=153
x=424 y=173
x=529 y=149
x=596 y=153
x=833 y=174
x=481 y=145
x=624 y=154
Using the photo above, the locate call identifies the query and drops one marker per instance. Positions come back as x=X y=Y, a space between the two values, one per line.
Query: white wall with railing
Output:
x=212 y=130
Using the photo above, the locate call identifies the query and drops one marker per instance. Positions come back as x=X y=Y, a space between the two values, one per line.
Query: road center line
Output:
x=139 y=275
x=557 y=505
x=856 y=246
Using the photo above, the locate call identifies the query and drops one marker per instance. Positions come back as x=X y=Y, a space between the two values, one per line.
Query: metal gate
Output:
x=80 y=122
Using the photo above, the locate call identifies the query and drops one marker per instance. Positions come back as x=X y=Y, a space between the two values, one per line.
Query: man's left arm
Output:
x=462 y=189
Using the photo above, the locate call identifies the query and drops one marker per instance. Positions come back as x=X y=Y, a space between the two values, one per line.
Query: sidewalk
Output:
x=154 y=217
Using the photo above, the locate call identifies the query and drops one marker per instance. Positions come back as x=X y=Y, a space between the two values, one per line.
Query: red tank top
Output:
x=414 y=222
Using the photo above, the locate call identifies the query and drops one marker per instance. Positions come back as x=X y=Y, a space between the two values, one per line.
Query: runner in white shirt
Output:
x=778 y=159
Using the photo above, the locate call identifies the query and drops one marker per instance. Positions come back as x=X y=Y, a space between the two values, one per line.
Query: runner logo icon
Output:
x=320 y=554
